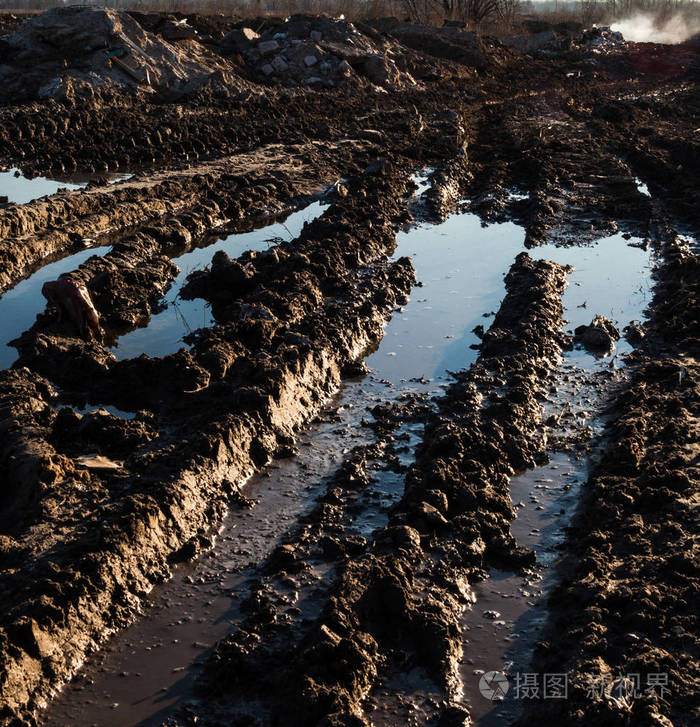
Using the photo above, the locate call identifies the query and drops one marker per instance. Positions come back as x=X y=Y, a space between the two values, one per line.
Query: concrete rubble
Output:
x=83 y=50
x=317 y=51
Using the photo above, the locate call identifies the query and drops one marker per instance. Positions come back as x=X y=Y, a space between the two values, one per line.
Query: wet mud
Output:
x=129 y=467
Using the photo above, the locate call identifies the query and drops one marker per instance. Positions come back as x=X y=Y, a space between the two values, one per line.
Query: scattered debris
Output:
x=317 y=51
x=97 y=462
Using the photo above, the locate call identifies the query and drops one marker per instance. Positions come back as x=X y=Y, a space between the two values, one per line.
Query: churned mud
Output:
x=387 y=379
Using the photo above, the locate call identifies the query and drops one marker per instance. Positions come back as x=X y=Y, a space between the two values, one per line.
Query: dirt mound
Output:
x=450 y=43
x=318 y=51
x=81 y=50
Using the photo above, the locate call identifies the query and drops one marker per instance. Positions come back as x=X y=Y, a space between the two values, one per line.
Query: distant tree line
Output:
x=479 y=14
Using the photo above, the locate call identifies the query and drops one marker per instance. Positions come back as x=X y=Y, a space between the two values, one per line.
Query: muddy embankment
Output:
x=91 y=543
x=624 y=620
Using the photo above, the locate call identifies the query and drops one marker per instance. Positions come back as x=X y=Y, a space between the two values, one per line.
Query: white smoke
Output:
x=648 y=28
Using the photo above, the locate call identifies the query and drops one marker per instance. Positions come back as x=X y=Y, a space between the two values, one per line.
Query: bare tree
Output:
x=472 y=11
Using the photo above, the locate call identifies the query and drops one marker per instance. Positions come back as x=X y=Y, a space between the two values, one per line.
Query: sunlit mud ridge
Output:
x=182 y=203
x=109 y=551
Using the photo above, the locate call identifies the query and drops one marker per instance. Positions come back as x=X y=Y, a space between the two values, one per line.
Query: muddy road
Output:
x=387 y=413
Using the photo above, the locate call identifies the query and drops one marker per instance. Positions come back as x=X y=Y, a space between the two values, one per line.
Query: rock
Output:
x=38 y=642
x=177 y=30
x=600 y=335
x=267 y=69
x=310 y=60
x=74 y=300
x=379 y=69
x=437 y=499
x=354 y=369
x=279 y=64
x=634 y=334
x=239 y=39
x=430 y=515
x=268 y=47
x=400 y=536
x=316 y=36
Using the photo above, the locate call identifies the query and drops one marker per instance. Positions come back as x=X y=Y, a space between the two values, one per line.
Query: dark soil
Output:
x=81 y=547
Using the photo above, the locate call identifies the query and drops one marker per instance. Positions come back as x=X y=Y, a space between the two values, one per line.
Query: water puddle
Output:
x=611 y=278
x=165 y=330
x=150 y=667
x=501 y=629
x=20 y=305
x=21 y=189
x=107 y=407
x=433 y=333
x=642 y=187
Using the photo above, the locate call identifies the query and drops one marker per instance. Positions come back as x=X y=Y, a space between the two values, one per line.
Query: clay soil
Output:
x=82 y=547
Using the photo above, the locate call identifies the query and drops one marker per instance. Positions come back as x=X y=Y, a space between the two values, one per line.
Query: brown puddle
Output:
x=511 y=609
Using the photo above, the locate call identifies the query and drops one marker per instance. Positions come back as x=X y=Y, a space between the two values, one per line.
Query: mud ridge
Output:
x=261 y=183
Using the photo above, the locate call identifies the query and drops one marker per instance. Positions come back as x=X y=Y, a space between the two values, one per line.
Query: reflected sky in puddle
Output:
x=611 y=278
x=614 y=279
x=461 y=265
x=163 y=335
x=21 y=190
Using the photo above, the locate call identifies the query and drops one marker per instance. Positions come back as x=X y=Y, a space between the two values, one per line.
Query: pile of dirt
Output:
x=450 y=43
x=83 y=50
x=316 y=51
